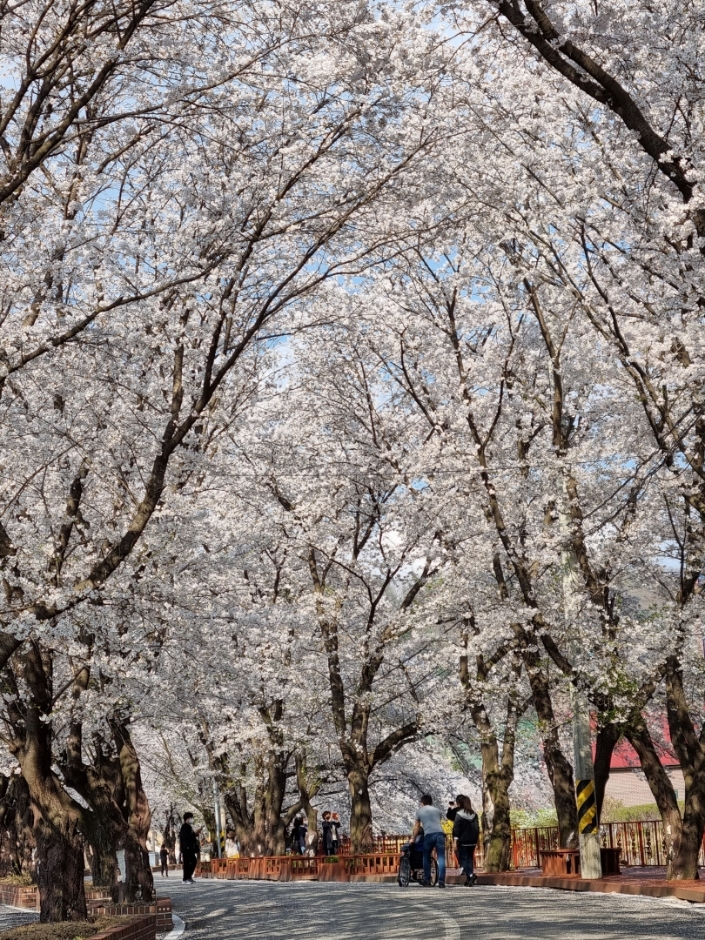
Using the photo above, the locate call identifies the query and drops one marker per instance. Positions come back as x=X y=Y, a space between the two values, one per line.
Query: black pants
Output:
x=165 y=867
x=190 y=860
x=466 y=857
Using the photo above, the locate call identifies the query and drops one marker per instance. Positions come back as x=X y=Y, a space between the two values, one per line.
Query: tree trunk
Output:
x=236 y=806
x=169 y=835
x=312 y=835
x=56 y=816
x=606 y=741
x=60 y=872
x=360 y=810
x=688 y=746
x=103 y=858
x=17 y=841
x=638 y=735
x=497 y=776
x=486 y=817
x=685 y=861
x=276 y=789
x=138 y=871
x=259 y=829
x=101 y=787
x=496 y=825
x=560 y=770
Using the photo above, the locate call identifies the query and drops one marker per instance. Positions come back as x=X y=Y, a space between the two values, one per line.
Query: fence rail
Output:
x=642 y=843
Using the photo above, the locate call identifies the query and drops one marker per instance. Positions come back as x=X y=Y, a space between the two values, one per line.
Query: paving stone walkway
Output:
x=232 y=910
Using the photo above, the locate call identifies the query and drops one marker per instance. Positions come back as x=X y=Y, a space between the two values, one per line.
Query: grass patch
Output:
x=528 y=819
x=17 y=881
x=614 y=811
x=73 y=930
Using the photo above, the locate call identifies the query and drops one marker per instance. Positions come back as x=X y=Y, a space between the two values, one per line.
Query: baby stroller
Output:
x=411 y=865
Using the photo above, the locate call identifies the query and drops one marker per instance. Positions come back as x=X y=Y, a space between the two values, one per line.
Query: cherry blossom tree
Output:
x=257 y=197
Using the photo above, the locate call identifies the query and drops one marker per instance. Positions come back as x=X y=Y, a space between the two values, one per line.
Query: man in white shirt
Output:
x=429 y=818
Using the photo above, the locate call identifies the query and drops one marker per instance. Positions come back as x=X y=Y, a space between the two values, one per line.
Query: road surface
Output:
x=260 y=910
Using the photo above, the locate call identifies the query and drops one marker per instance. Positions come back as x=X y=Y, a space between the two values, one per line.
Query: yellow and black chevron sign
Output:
x=587 y=811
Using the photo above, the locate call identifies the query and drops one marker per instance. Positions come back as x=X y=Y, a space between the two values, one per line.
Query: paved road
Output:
x=227 y=910
x=14 y=917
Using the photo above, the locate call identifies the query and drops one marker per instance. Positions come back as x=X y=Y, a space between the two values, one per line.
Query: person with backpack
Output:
x=466 y=832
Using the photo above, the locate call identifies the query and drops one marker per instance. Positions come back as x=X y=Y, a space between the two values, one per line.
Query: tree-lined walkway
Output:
x=224 y=910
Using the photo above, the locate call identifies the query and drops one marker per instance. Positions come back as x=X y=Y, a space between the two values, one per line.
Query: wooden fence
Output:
x=302 y=867
x=642 y=844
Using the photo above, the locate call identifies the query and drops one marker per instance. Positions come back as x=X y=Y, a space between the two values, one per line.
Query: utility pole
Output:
x=588 y=823
x=584 y=770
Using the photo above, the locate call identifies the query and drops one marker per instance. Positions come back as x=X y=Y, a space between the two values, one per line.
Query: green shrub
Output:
x=528 y=819
x=18 y=881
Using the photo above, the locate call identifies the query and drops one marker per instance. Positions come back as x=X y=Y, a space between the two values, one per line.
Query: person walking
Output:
x=164 y=859
x=298 y=841
x=190 y=847
x=466 y=831
x=429 y=818
x=334 y=833
x=327 y=833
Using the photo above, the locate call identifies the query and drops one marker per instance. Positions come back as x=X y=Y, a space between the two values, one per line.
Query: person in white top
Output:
x=429 y=818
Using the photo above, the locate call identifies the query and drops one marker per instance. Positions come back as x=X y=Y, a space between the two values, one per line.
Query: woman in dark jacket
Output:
x=466 y=831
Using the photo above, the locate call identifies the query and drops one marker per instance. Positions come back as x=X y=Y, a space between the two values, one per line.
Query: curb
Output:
x=178 y=928
x=662 y=889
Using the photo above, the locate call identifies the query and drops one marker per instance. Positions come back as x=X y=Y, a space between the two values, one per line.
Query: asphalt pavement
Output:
x=15 y=917
x=252 y=910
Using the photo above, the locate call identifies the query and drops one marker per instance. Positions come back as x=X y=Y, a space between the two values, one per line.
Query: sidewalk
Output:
x=647 y=882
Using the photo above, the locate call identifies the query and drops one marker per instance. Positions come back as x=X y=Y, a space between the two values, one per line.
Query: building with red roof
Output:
x=627 y=783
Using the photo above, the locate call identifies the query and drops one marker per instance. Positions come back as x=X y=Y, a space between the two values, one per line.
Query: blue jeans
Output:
x=466 y=857
x=437 y=841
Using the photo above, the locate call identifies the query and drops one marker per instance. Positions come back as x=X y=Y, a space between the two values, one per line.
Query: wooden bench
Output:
x=566 y=862
x=561 y=862
x=610 y=861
